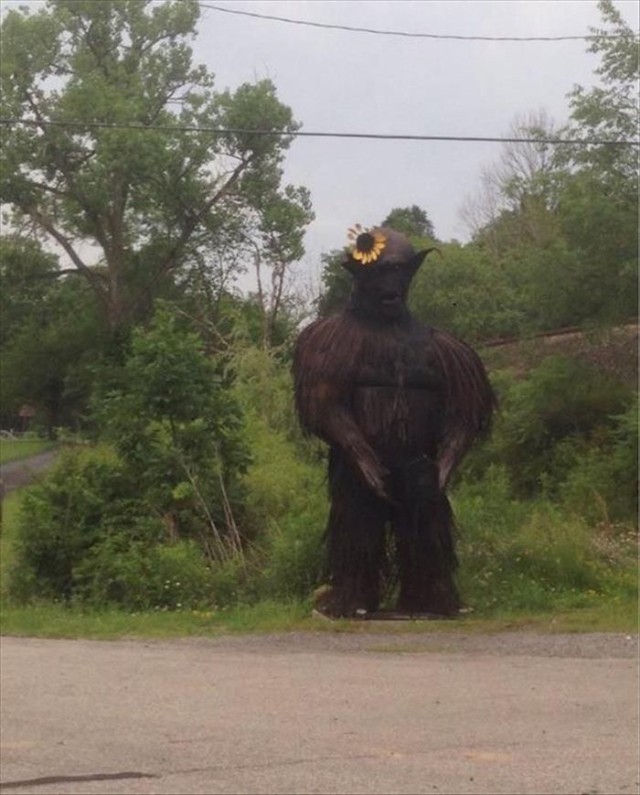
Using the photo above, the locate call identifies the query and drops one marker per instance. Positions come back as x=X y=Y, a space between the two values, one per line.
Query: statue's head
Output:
x=382 y=262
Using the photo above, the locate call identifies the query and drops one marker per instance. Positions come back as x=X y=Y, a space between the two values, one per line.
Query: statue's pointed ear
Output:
x=416 y=261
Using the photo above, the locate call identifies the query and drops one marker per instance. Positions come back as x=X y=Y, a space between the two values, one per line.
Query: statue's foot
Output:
x=332 y=602
x=439 y=600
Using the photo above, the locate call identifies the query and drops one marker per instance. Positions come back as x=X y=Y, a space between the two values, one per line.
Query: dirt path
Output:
x=322 y=713
x=15 y=474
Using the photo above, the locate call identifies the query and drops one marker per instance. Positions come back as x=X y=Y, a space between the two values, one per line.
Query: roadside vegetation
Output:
x=17 y=449
x=194 y=505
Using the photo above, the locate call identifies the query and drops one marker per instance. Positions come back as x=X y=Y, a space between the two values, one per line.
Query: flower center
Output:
x=365 y=242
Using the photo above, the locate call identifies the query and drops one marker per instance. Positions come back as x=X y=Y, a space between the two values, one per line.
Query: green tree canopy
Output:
x=411 y=221
x=126 y=201
x=609 y=111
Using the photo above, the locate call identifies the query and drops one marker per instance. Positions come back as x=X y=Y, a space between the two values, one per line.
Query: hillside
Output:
x=613 y=350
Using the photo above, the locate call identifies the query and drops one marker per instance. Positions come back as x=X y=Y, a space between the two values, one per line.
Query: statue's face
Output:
x=381 y=283
x=383 y=289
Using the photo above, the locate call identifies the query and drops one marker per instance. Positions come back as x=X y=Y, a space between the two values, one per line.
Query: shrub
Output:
x=141 y=576
x=519 y=555
x=287 y=507
x=546 y=419
x=86 y=535
x=173 y=419
x=602 y=484
x=62 y=518
x=294 y=556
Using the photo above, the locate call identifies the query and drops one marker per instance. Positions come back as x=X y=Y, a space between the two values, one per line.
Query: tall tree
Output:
x=125 y=200
x=26 y=274
x=519 y=185
x=608 y=112
x=598 y=206
x=411 y=221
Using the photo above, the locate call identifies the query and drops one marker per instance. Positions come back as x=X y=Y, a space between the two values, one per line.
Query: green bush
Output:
x=85 y=535
x=172 y=417
x=602 y=484
x=287 y=508
x=547 y=420
x=62 y=518
x=141 y=576
x=518 y=555
x=294 y=557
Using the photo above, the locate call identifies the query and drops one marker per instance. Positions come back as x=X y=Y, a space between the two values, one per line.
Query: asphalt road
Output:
x=322 y=713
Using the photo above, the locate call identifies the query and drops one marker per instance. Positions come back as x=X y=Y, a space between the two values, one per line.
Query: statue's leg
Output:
x=355 y=543
x=425 y=542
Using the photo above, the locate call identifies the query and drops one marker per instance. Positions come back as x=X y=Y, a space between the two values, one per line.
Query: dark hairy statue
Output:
x=399 y=404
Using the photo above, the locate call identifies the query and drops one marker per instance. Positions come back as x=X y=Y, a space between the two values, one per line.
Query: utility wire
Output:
x=404 y=33
x=305 y=134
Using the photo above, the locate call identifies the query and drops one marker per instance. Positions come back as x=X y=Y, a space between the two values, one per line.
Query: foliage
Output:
x=287 y=504
x=456 y=289
x=144 y=199
x=171 y=418
x=62 y=518
x=602 y=483
x=336 y=284
x=285 y=484
x=142 y=576
x=276 y=244
x=86 y=536
x=517 y=556
x=608 y=111
x=26 y=271
x=411 y=221
x=559 y=227
x=46 y=360
x=548 y=419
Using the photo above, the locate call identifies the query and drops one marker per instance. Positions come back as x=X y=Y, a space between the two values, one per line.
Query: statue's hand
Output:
x=367 y=464
x=374 y=475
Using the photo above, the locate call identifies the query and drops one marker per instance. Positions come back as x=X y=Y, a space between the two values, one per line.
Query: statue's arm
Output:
x=469 y=401
x=322 y=401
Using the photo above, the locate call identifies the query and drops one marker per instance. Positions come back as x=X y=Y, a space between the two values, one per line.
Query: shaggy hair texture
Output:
x=399 y=404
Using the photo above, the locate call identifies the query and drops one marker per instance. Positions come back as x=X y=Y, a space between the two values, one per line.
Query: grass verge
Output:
x=17 y=449
x=59 y=621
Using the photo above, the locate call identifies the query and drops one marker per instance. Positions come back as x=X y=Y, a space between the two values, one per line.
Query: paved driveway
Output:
x=322 y=713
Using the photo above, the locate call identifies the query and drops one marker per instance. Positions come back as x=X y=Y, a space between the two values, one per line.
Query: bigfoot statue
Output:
x=399 y=403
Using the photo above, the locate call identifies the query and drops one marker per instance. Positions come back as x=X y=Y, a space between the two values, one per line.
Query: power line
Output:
x=404 y=33
x=305 y=134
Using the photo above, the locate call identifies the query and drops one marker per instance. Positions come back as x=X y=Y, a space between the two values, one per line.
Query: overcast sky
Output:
x=339 y=81
x=342 y=81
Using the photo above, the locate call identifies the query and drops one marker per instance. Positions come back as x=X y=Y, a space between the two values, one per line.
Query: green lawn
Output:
x=57 y=621
x=16 y=449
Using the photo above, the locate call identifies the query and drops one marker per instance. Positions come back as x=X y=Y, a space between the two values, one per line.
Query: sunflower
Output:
x=367 y=244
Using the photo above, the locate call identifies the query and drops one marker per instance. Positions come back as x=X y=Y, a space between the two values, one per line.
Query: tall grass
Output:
x=532 y=556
